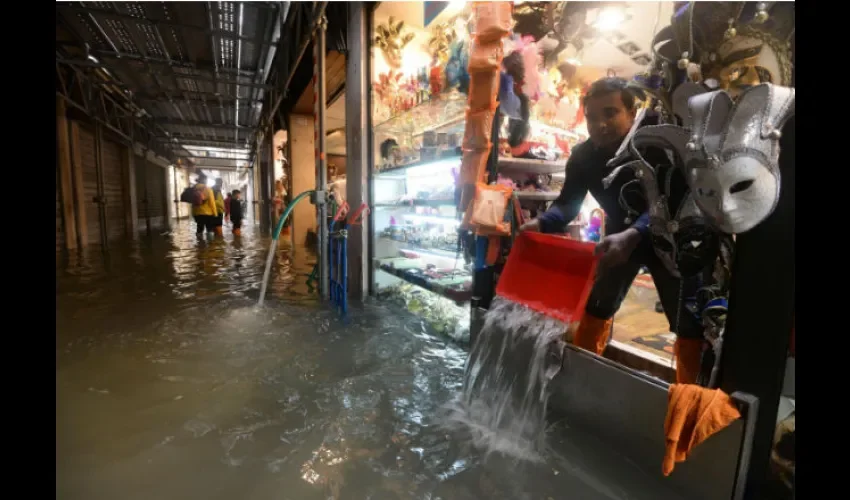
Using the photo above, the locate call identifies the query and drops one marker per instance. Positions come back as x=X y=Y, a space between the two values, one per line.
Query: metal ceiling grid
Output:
x=196 y=68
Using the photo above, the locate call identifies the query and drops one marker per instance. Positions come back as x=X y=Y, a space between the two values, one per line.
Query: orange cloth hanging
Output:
x=694 y=414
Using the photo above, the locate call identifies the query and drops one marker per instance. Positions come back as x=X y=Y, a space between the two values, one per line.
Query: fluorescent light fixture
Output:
x=609 y=18
x=574 y=61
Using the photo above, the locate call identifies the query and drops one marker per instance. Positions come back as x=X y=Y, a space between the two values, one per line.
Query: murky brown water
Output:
x=171 y=384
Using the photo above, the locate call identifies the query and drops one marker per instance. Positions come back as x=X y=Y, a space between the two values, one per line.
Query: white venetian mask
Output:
x=732 y=155
x=737 y=196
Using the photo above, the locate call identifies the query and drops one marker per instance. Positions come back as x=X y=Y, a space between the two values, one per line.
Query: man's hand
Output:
x=532 y=226
x=617 y=248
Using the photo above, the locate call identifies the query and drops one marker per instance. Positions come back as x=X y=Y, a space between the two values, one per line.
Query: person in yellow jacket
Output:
x=219 y=207
x=205 y=213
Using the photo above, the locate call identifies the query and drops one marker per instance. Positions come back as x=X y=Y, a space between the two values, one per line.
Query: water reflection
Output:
x=171 y=384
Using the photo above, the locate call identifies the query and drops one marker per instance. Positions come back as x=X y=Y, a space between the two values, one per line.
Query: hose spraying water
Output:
x=273 y=246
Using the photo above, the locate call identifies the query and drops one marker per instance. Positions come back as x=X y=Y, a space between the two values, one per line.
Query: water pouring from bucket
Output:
x=541 y=293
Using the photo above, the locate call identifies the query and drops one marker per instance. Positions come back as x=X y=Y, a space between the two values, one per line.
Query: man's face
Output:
x=608 y=120
x=238 y=196
x=219 y=183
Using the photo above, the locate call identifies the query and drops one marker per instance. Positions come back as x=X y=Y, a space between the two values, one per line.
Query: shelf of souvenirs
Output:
x=537 y=195
x=433 y=130
x=435 y=157
x=435 y=212
x=445 y=110
x=449 y=109
x=416 y=239
x=507 y=164
x=452 y=283
x=416 y=203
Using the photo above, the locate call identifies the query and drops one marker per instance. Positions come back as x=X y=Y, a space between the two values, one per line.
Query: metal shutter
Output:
x=113 y=189
x=60 y=230
x=92 y=208
x=157 y=195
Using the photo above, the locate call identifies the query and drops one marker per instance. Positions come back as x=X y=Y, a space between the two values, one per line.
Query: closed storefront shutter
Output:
x=113 y=189
x=157 y=195
x=60 y=235
x=89 y=168
x=141 y=201
x=151 y=194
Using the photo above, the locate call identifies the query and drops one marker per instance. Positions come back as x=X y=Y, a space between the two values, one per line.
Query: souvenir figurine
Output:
x=435 y=79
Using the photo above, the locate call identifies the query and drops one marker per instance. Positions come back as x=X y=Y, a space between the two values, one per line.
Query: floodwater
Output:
x=171 y=384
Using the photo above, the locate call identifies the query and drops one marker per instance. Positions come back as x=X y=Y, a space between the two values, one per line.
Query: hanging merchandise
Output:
x=492 y=21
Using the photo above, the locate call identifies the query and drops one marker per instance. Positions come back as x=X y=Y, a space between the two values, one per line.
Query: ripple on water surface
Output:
x=171 y=384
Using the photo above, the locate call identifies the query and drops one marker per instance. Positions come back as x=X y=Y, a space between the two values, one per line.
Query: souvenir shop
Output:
x=420 y=93
x=425 y=72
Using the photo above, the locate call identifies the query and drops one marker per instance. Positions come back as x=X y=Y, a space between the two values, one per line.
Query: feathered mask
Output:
x=391 y=41
x=441 y=39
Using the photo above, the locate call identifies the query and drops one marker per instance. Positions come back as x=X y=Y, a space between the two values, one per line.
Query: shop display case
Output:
x=417 y=258
x=419 y=106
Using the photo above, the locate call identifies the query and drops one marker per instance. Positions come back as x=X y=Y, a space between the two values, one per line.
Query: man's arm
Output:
x=509 y=103
x=641 y=225
x=568 y=204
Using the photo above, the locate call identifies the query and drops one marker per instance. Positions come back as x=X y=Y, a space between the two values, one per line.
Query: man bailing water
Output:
x=610 y=110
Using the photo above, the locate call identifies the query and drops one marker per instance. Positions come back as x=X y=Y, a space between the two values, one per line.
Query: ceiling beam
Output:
x=217 y=167
x=102 y=54
x=186 y=140
x=167 y=122
x=114 y=67
x=205 y=98
x=227 y=158
x=120 y=16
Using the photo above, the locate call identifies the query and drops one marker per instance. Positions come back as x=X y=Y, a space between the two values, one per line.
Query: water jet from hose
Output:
x=273 y=246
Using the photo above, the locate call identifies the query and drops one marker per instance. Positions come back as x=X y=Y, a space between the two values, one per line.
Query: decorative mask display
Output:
x=733 y=155
x=725 y=45
x=441 y=39
x=391 y=41
x=730 y=154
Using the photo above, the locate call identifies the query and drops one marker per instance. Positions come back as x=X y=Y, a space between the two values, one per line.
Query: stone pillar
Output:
x=302 y=148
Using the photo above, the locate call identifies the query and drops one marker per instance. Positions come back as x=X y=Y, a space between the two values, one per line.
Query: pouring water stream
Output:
x=273 y=245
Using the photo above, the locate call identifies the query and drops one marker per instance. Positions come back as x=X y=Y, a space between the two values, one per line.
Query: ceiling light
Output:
x=609 y=19
x=574 y=61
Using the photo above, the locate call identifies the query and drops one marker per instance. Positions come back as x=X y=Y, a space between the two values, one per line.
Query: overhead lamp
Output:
x=609 y=18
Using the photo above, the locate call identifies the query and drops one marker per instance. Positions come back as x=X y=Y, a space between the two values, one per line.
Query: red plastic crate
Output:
x=551 y=274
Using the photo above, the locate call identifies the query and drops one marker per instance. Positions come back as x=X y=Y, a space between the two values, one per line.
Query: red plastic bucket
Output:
x=550 y=274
